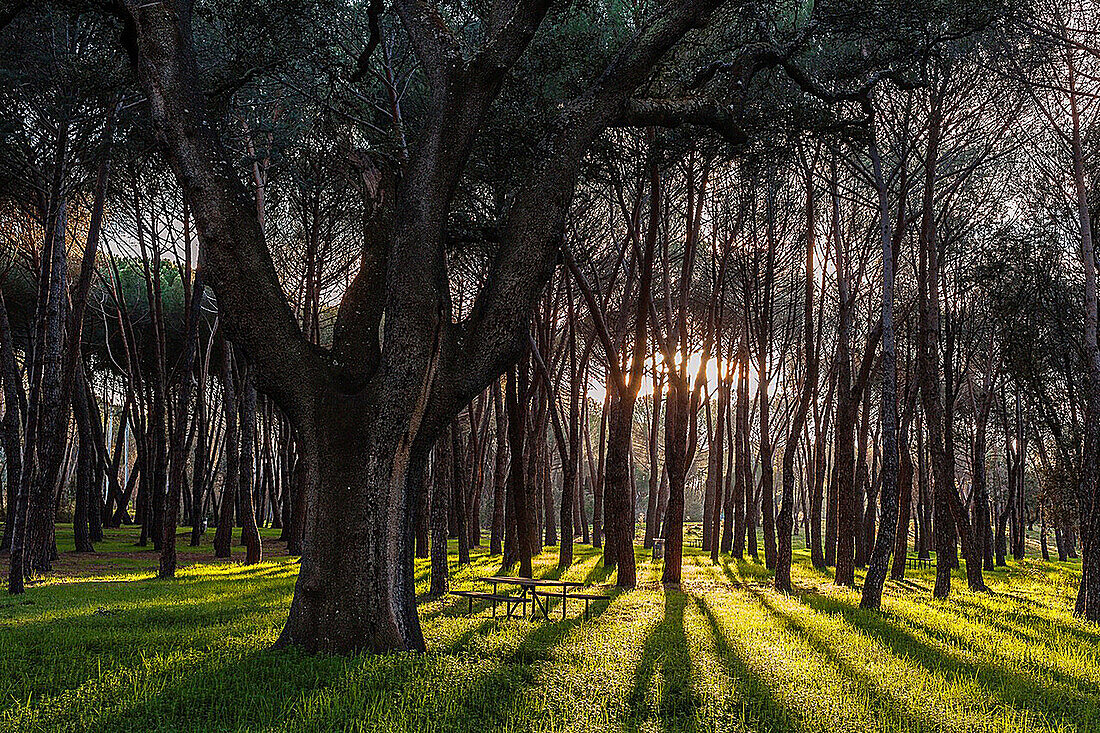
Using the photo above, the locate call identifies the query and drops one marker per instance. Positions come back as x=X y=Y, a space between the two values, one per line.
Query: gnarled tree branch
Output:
x=701 y=111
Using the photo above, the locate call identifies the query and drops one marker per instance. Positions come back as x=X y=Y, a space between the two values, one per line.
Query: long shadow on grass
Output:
x=760 y=709
x=1035 y=616
x=239 y=688
x=1032 y=635
x=884 y=698
x=1068 y=707
x=1041 y=622
x=487 y=703
x=666 y=651
x=153 y=604
x=112 y=671
x=599 y=573
x=745 y=569
x=1022 y=693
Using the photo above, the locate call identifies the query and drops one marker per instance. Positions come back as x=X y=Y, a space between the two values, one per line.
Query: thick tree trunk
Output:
x=355 y=589
x=618 y=521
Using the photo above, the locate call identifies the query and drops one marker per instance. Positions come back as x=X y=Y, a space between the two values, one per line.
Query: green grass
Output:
x=106 y=646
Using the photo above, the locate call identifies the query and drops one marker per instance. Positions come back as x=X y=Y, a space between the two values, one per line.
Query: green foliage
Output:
x=110 y=648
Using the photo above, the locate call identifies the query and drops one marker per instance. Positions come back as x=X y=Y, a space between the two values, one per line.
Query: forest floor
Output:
x=104 y=646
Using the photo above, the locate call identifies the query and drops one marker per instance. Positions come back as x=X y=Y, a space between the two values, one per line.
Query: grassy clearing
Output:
x=107 y=647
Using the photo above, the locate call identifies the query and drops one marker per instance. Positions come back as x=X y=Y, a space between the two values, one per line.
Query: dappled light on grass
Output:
x=117 y=649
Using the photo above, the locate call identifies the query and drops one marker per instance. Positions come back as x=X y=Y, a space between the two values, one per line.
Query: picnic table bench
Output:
x=511 y=602
x=537 y=592
x=588 y=599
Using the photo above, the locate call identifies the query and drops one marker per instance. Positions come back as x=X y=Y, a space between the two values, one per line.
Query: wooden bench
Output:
x=917 y=563
x=511 y=602
x=588 y=599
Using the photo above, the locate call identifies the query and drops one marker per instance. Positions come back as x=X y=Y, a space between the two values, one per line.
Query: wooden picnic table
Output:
x=528 y=588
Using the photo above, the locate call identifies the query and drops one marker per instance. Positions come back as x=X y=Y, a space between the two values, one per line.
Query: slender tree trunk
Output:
x=500 y=473
x=731 y=465
x=85 y=471
x=676 y=455
x=743 y=481
x=905 y=494
x=945 y=497
x=459 y=487
x=598 y=489
x=572 y=460
x=177 y=456
x=1088 y=492
x=223 y=537
x=198 y=474
x=785 y=523
x=15 y=400
x=847 y=405
x=442 y=494
x=520 y=538
x=652 y=525
x=884 y=545
x=718 y=446
x=250 y=534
